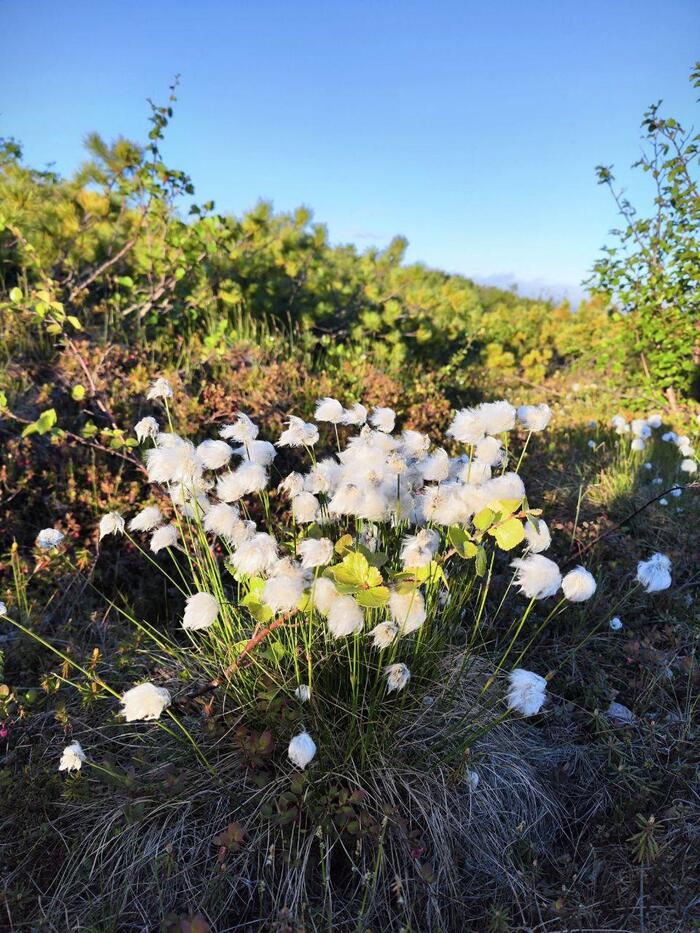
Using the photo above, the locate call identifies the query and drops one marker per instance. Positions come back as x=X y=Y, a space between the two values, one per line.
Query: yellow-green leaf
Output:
x=509 y=534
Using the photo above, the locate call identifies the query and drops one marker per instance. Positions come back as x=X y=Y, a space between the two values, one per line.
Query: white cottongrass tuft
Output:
x=538 y=577
x=689 y=466
x=397 y=676
x=655 y=574
x=490 y=450
x=654 y=421
x=383 y=419
x=527 y=692
x=615 y=624
x=436 y=467
x=496 y=417
x=3 y=608
x=357 y=415
x=72 y=758
x=324 y=594
x=147 y=519
x=174 y=461
x=292 y=484
x=144 y=702
x=578 y=585
x=242 y=430
x=467 y=426
x=284 y=589
x=214 y=454
x=418 y=550
x=249 y=477
x=637 y=445
x=298 y=434
x=222 y=519
x=146 y=427
x=262 y=452
x=315 y=552
x=49 y=538
x=302 y=750
x=305 y=508
x=329 y=409
x=160 y=389
x=201 y=610
x=407 y=610
x=384 y=634
x=257 y=555
x=165 y=536
x=345 y=617
x=303 y=693
x=111 y=524
x=537 y=535
x=535 y=417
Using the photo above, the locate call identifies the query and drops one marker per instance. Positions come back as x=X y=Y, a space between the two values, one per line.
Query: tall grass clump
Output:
x=343 y=690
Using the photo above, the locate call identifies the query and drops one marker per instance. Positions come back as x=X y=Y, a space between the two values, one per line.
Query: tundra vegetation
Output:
x=340 y=593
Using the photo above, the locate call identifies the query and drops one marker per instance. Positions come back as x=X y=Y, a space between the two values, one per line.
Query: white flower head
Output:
x=160 y=388
x=298 y=434
x=615 y=624
x=284 y=589
x=303 y=693
x=490 y=450
x=111 y=524
x=507 y=486
x=315 y=552
x=305 y=508
x=249 y=477
x=669 y=436
x=214 y=454
x=201 y=610
x=537 y=535
x=242 y=430
x=345 y=617
x=654 y=421
x=323 y=594
x=302 y=750
x=415 y=445
x=436 y=467
x=49 y=538
x=256 y=555
x=146 y=427
x=637 y=445
x=356 y=415
x=578 y=585
x=144 y=702
x=174 y=461
x=640 y=428
x=383 y=419
x=655 y=574
x=72 y=758
x=292 y=484
x=418 y=550
x=527 y=692
x=467 y=426
x=407 y=610
x=262 y=452
x=535 y=417
x=165 y=536
x=329 y=409
x=537 y=576
x=222 y=519
x=397 y=676
x=689 y=466
x=384 y=634
x=147 y=519
x=496 y=417
x=3 y=608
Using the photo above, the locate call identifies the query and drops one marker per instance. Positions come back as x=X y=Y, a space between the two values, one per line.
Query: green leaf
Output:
x=343 y=544
x=461 y=542
x=483 y=519
x=43 y=424
x=16 y=295
x=73 y=320
x=78 y=393
x=509 y=534
x=374 y=598
x=480 y=563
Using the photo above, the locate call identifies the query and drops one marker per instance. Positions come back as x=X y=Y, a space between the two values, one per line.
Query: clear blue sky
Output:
x=472 y=128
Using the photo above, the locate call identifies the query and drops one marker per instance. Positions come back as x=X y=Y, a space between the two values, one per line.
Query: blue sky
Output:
x=472 y=128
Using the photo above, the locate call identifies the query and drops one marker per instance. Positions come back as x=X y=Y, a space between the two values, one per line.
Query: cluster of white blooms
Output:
x=538 y=577
x=641 y=429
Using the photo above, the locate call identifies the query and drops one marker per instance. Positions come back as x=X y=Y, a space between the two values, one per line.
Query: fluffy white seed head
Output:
x=527 y=692
x=305 y=508
x=160 y=389
x=257 y=555
x=221 y=519
x=383 y=419
x=146 y=427
x=689 y=466
x=355 y=415
x=165 y=536
x=384 y=634
x=111 y=524
x=72 y=758
x=214 y=454
x=537 y=535
x=201 y=610
x=144 y=702
x=407 y=610
x=292 y=484
x=637 y=445
x=467 y=426
x=262 y=452
x=655 y=574
x=397 y=676
x=419 y=549
x=344 y=617
x=147 y=519
x=490 y=450
x=249 y=477
x=242 y=430
x=578 y=585
x=302 y=750
x=537 y=576
x=284 y=589
x=303 y=693
x=329 y=409
x=436 y=467
x=315 y=552
x=299 y=433
x=535 y=417
x=497 y=417
x=616 y=624
x=49 y=538
x=323 y=594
